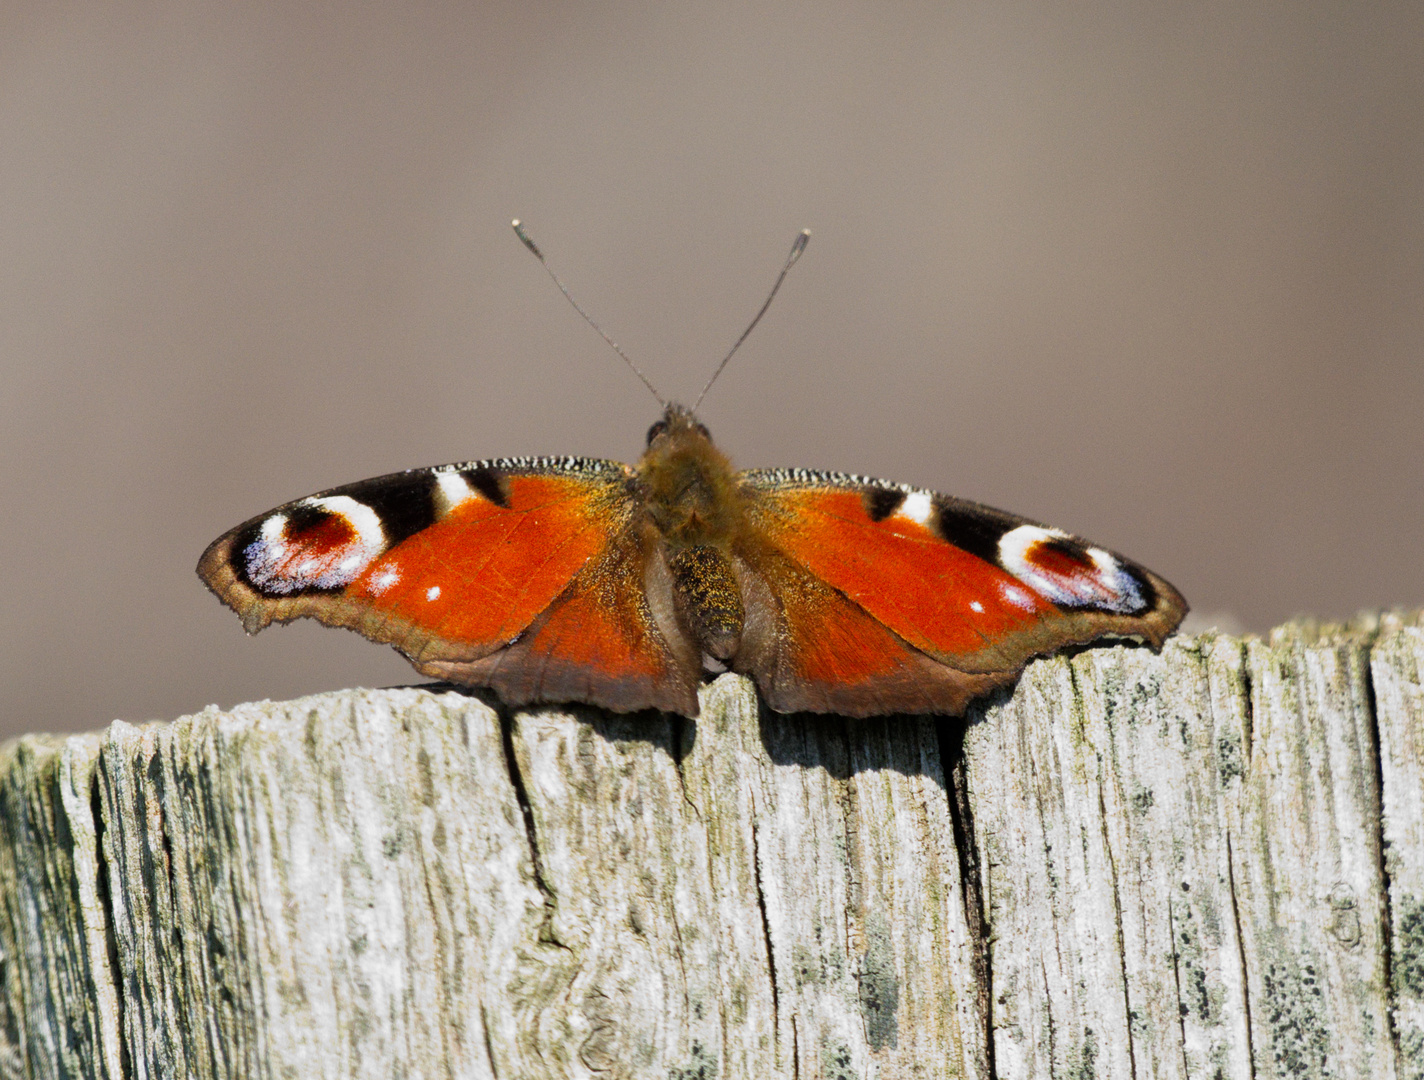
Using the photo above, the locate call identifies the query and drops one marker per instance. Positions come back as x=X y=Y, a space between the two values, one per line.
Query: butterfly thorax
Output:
x=695 y=505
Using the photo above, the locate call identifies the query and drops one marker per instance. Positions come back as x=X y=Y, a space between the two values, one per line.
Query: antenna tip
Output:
x=526 y=240
x=798 y=247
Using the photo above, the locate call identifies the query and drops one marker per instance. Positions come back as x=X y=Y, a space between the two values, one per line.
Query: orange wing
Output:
x=871 y=591
x=521 y=575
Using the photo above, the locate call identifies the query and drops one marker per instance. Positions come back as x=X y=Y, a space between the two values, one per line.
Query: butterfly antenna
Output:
x=528 y=242
x=796 y=249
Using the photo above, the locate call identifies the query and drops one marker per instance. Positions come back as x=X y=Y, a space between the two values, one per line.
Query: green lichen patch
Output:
x=1196 y=997
x=1083 y=1058
x=879 y=985
x=1411 y=1054
x=1294 y=1008
x=1230 y=763
x=1143 y=799
x=836 y=1064
x=701 y=1065
x=1409 y=949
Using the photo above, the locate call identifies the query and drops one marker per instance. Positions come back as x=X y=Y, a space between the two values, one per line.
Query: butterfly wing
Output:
x=866 y=597
x=528 y=576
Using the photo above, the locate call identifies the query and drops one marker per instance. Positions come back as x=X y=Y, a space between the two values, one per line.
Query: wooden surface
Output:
x=1208 y=863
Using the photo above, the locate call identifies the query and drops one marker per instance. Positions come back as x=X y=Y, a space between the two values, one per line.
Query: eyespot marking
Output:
x=321 y=543
x=1069 y=573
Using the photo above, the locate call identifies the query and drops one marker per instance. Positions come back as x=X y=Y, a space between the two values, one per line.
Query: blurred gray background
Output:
x=1150 y=272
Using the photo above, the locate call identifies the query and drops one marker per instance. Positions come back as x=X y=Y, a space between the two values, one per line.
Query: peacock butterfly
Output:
x=571 y=579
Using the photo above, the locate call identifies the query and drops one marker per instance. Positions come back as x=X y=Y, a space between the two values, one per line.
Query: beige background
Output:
x=1151 y=272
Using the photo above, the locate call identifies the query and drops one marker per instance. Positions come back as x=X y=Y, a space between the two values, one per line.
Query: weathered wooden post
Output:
x=1204 y=863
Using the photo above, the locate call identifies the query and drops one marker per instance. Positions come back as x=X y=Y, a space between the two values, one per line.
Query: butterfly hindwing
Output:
x=611 y=638
x=472 y=570
x=812 y=649
x=975 y=590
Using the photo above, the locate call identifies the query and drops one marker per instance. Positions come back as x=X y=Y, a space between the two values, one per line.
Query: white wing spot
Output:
x=1124 y=594
x=974 y=605
x=383 y=580
x=432 y=593
x=1016 y=596
x=917 y=507
x=451 y=489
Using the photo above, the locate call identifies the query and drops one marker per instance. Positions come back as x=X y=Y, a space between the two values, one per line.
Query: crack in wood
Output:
x=489 y=1042
x=1248 y=705
x=681 y=959
x=955 y=770
x=1386 y=907
x=1240 y=952
x=103 y=890
x=766 y=930
x=855 y=913
x=1121 y=941
x=547 y=934
x=677 y=733
x=1048 y=1017
x=1177 y=986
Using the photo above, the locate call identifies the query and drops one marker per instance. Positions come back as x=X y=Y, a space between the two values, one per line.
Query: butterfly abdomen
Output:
x=693 y=500
x=709 y=599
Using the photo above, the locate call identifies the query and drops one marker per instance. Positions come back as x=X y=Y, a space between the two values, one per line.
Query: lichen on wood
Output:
x=1204 y=862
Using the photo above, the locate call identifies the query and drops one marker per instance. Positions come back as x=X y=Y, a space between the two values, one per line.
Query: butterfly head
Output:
x=679 y=424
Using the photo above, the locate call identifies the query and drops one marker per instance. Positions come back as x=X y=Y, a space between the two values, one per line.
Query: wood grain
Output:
x=1207 y=862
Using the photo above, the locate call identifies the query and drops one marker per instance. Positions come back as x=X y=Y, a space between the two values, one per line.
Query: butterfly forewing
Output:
x=445 y=563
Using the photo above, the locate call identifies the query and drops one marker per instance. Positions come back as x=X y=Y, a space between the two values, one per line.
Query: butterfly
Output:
x=579 y=580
